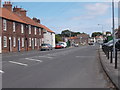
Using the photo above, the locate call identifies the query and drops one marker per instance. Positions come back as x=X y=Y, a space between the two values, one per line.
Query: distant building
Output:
x=81 y=39
x=118 y=33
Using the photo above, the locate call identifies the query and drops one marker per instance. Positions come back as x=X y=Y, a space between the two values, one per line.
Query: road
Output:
x=76 y=67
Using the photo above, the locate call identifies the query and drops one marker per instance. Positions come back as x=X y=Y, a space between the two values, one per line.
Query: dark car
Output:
x=117 y=45
x=46 y=47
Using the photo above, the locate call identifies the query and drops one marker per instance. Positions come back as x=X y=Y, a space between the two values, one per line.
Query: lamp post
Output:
x=113 y=28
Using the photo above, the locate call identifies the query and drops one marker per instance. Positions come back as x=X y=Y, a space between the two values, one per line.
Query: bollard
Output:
x=108 y=54
x=116 y=59
x=111 y=58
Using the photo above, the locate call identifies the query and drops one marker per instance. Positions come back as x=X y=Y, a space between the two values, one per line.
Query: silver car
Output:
x=46 y=47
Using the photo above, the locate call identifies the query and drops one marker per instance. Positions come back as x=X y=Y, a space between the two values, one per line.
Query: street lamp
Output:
x=113 y=29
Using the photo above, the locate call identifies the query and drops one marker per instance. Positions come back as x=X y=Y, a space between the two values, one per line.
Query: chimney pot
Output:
x=7 y=5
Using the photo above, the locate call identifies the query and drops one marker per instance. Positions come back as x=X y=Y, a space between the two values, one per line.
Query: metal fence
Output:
x=109 y=54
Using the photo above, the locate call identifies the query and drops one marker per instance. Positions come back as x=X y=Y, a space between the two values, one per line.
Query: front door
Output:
x=10 y=44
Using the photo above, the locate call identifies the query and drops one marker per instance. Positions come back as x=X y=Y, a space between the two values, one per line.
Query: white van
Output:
x=64 y=44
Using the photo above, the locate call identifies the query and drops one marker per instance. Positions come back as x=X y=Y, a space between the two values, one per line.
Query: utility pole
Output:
x=113 y=29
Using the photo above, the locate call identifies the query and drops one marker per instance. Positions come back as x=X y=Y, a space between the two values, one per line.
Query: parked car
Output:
x=58 y=46
x=64 y=44
x=117 y=45
x=76 y=45
x=91 y=43
x=46 y=47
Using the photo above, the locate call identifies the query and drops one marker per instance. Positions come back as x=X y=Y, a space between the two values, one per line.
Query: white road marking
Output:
x=18 y=63
x=84 y=56
x=45 y=56
x=33 y=59
x=1 y=71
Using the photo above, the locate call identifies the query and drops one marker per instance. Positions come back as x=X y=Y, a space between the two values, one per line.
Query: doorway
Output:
x=10 y=44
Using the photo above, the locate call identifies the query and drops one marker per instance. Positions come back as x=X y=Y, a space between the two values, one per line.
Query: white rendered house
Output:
x=49 y=37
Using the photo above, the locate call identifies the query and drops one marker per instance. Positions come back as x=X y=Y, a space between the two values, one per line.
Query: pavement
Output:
x=76 y=67
x=110 y=70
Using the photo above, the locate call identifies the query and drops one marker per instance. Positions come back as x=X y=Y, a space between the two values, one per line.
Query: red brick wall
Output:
x=17 y=34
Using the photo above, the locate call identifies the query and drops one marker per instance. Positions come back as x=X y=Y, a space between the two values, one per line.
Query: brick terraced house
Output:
x=18 y=31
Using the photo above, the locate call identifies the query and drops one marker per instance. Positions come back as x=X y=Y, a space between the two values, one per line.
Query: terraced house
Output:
x=18 y=31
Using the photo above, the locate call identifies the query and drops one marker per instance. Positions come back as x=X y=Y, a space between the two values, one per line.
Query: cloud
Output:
x=92 y=11
x=97 y=8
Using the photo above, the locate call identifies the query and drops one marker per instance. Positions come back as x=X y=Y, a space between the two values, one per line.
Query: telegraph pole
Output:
x=113 y=29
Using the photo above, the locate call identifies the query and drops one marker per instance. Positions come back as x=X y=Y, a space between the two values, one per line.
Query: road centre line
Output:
x=1 y=71
x=45 y=56
x=33 y=59
x=18 y=63
x=84 y=56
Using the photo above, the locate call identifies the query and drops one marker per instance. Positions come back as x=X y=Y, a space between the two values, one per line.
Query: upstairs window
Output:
x=4 y=25
x=39 y=31
x=13 y=26
x=29 y=29
x=22 y=28
x=35 y=30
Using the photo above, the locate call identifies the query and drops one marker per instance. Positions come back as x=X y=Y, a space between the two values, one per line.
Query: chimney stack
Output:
x=7 y=5
x=36 y=20
x=19 y=11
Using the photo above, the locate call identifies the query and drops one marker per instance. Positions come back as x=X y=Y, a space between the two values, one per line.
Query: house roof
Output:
x=23 y=19
x=28 y=20
x=73 y=38
x=47 y=29
x=9 y=15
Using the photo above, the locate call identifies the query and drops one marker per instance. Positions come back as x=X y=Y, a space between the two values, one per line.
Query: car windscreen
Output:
x=44 y=45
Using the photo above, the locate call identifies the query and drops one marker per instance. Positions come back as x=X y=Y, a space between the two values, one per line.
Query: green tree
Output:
x=58 y=38
x=94 y=34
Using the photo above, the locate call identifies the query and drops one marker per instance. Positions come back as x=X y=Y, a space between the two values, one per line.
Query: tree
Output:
x=94 y=34
x=58 y=38
x=66 y=33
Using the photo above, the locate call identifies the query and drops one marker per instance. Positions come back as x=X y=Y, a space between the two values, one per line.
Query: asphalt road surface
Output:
x=76 y=67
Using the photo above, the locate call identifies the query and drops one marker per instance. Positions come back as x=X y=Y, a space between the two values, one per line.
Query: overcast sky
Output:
x=76 y=16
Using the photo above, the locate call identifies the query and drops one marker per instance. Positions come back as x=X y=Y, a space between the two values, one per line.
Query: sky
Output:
x=75 y=16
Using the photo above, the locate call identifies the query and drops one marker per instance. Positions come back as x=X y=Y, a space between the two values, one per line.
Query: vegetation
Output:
x=94 y=34
x=58 y=38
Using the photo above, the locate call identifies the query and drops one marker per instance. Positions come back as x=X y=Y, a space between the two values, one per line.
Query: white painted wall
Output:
x=49 y=38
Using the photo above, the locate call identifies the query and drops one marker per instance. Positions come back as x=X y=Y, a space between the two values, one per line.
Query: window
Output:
x=40 y=42
x=5 y=41
x=22 y=42
x=22 y=28
x=29 y=29
x=39 y=31
x=14 y=41
x=35 y=41
x=35 y=30
x=13 y=26
x=4 y=25
x=29 y=41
